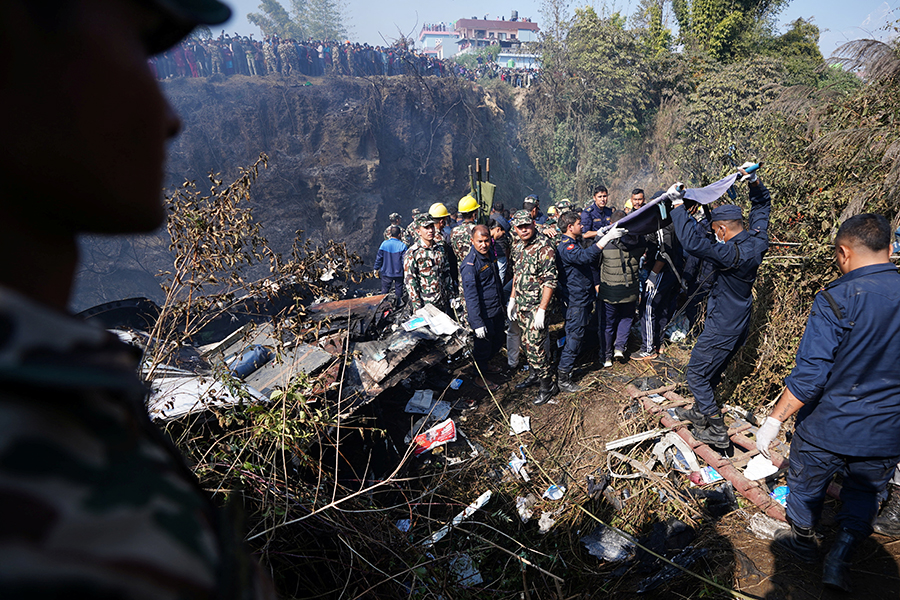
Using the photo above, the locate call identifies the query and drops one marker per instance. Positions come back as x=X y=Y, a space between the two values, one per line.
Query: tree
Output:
x=275 y=20
x=726 y=29
x=306 y=19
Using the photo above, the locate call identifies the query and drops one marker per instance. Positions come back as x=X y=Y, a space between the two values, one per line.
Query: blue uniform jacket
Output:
x=481 y=287
x=847 y=374
x=574 y=270
x=593 y=218
x=390 y=258
x=736 y=262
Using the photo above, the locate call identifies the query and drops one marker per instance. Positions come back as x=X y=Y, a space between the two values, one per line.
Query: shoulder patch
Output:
x=570 y=247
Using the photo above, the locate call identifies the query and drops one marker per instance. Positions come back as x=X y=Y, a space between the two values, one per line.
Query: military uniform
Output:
x=97 y=502
x=461 y=240
x=427 y=276
x=534 y=268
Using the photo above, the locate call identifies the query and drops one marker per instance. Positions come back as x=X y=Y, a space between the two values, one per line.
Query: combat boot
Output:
x=888 y=520
x=528 y=381
x=715 y=434
x=697 y=418
x=836 y=567
x=566 y=384
x=799 y=542
x=548 y=390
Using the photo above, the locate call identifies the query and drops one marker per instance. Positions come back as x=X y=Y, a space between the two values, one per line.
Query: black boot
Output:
x=888 y=520
x=697 y=418
x=798 y=541
x=548 y=390
x=566 y=384
x=528 y=381
x=715 y=434
x=835 y=568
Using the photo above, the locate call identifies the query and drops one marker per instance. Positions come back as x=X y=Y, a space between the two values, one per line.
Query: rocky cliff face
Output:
x=344 y=154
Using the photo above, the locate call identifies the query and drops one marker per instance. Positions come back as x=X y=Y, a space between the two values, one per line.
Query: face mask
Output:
x=719 y=241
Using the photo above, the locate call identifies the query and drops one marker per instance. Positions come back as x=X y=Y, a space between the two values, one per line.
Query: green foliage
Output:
x=487 y=54
x=307 y=19
x=726 y=29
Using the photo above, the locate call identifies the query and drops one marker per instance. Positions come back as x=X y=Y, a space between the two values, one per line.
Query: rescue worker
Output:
x=483 y=292
x=461 y=238
x=620 y=289
x=598 y=215
x=534 y=280
x=888 y=520
x=426 y=270
x=533 y=205
x=664 y=263
x=389 y=264
x=411 y=234
x=574 y=268
x=736 y=254
x=97 y=501
x=440 y=216
x=395 y=221
x=635 y=202
x=845 y=390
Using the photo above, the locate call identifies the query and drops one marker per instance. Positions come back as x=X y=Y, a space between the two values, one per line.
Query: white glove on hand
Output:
x=481 y=333
x=749 y=177
x=676 y=193
x=766 y=434
x=538 y=322
x=613 y=234
x=652 y=282
x=511 y=311
x=375 y=273
x=455 y=303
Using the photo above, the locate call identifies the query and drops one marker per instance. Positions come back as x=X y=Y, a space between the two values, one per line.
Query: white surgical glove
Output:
x=652 y=282
x=749 y=177
x=613 y=234
x=481 y=333
x=538 y=322
x=455 y=303
x=766 y=434
x=375 y=273
x=676 y=193
x=511 y=311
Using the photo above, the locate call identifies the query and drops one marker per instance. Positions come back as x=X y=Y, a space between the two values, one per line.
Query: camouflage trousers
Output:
x=535 y=342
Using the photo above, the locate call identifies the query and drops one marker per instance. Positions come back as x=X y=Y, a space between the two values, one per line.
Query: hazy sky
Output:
x=839 y=20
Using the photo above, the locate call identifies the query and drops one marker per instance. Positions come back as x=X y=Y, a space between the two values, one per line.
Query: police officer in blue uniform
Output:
x=845 y=390
x=598 y=215
x=736 y=255
x=574 y=272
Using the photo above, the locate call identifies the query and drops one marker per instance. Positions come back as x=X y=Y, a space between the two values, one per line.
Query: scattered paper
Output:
x=555 y=492
x=759 y=467
x=517 y=464
x=545 y=523
x=523 y=507
x=422 y=403
x=438 y=435
x=468 y=512
x=519 y=424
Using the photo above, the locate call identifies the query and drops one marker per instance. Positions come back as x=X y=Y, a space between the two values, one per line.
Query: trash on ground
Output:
x=780 y=494
x=456 y=383
x=759 y=467
x=719 y=500
x=416 y=429
x=673 y=452
x=438 y=435
x=524 y=506
x=517 y=464
x=614 y=497
x=685 y=558
x=554 y=492
x=468 y=512
x=609 y=544
x=519 y=424
x=672 y=535
x=634 y=439
x=423 y=403
x=764 y=527
x=657 y=398
x=596 y=484
x=706 y=475
x=465 y=571
x=404 y=525
x=545 y=523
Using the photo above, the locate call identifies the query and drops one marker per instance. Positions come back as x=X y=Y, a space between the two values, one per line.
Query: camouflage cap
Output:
x=415 y=211
x=521 y=217
x=394 y=216
x=564 y=206
x=423 y=220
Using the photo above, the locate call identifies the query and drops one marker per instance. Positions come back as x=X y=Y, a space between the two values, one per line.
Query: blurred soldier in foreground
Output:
x=534 y=280
x=96 y=501
x=845 y=389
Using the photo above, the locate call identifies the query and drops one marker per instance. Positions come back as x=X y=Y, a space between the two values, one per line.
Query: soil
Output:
x=566 y=444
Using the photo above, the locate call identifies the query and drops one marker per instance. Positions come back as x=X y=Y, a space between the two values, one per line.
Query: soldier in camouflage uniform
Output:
x=96 y=502
x=410 y=235
x=426 y=270
x=552 y=229
x=395 y=222
x=534 y=281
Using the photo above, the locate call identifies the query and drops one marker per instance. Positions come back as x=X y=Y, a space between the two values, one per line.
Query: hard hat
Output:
x=438 y=211
x=467 y=204
x=551 y=210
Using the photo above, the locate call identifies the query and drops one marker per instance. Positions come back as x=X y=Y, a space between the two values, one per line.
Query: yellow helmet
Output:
x=467 y=204
x=438 y=211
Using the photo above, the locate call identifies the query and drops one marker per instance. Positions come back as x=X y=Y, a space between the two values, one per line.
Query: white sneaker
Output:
x=619 y=355
x=608 y=363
